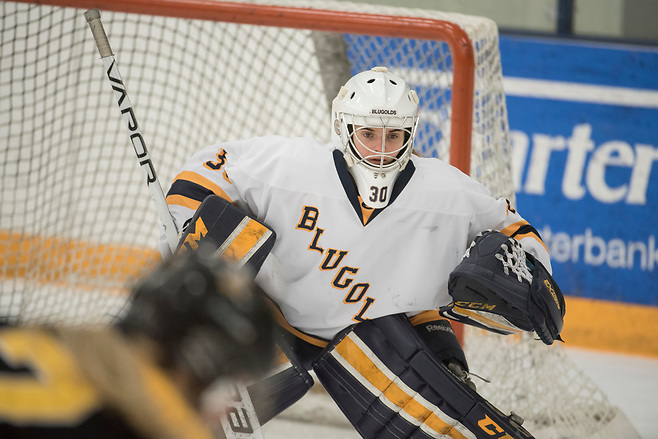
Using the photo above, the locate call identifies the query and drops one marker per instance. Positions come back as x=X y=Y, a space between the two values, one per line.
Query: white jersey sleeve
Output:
x=209 y=171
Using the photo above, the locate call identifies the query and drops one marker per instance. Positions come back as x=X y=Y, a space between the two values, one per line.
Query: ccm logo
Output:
x=492 y=429
x=475 y=305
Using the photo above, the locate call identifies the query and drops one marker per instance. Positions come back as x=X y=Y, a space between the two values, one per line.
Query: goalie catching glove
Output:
x=499 y=287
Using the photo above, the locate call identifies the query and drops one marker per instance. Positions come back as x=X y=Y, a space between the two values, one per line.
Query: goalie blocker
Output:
x=228 y=231
x=499 y=287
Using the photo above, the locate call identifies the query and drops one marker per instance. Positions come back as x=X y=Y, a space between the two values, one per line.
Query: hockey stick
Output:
x=240 y=420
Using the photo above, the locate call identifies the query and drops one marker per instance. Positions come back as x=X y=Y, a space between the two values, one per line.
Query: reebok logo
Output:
x=432 y=327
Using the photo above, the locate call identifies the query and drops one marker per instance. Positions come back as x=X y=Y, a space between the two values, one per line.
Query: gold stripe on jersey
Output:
x=531 y=235
x=366 y=212
x=180 y=200
x=193 y=177
x=426 y=316
x=56 y=392
x=353 y=354
x=283 y=323
x=514 y=228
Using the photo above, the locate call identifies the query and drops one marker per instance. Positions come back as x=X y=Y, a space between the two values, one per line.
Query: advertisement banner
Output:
x=582 y=127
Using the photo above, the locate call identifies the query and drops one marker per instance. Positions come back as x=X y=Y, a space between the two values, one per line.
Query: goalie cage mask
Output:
x=380 y=100
x=497 y=277
x=207 y=315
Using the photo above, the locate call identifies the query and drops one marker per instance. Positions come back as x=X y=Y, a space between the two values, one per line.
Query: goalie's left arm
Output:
x=500 y=287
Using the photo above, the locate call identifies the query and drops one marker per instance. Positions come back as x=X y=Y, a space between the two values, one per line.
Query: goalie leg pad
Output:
x=224 y=229
x=389 y=385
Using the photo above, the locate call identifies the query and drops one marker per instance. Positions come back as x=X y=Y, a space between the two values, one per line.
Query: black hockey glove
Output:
x=497 y=277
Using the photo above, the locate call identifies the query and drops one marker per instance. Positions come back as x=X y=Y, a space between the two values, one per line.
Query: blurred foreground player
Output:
x=192 y=321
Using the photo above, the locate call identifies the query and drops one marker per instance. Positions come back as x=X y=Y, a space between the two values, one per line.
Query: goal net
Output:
x=77 y=225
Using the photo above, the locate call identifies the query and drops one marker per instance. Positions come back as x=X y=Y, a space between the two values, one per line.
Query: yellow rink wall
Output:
x=611 y=326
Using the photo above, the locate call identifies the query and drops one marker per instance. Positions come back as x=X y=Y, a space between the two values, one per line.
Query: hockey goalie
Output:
x=365 y=269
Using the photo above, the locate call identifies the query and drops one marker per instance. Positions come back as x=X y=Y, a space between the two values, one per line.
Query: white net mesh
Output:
x=76 y=221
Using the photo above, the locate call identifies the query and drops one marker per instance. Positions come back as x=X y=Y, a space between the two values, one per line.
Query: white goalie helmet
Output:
x=375 y=116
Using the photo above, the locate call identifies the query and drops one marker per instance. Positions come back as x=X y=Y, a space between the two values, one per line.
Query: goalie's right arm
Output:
x=499 y=287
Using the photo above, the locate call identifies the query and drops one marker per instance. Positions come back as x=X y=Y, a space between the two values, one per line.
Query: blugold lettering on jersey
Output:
x=377 y=381
x=314 y=244
x=356 y=293
x=332 y=261
x=341 y=283
x=192 y=239
x=492 y=429
x=309 y=218
x=327 y=263
x=366 y=304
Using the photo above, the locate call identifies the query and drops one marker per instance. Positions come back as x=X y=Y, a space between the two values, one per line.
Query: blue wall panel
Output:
x=589 y=170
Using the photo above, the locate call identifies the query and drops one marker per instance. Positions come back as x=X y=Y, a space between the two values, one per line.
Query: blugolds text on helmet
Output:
x=390 y=112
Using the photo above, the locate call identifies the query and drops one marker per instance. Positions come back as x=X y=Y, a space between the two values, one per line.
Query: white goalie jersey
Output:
x=337 y=262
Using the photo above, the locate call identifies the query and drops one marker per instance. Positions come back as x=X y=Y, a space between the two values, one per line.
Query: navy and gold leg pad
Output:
x=228 y=231
x=389 y=385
